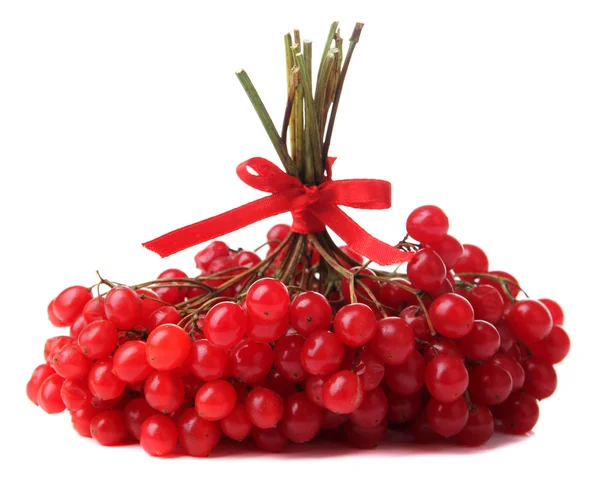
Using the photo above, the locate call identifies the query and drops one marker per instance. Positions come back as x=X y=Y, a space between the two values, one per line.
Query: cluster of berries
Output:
x=447 y=351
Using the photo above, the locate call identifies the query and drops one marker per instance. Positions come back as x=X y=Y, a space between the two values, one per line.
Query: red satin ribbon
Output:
x=313 y=208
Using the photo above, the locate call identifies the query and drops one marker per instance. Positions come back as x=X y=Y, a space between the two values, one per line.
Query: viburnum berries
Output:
x=310 y=338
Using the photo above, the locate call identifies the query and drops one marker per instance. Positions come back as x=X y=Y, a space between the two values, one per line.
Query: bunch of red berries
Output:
x=306 y=341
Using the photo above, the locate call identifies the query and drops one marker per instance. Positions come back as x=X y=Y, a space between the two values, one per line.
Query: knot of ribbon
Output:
x=313 y=208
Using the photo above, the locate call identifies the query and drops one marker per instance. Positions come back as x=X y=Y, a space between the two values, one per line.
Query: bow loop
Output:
x=269 y=178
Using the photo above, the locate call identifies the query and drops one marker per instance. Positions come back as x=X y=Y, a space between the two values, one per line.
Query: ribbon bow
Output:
x=313 y=208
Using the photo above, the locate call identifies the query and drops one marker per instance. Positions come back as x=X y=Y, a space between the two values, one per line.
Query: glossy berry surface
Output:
x=355 y=324
x=225 y=324
x=167 y=347
x=427 y=224
x=394 y=341
x=322 y=353
x=446 y=378
x=215 y=400
x=342 y=392
x=310 y=312
x=452 y=315
x=158 y=435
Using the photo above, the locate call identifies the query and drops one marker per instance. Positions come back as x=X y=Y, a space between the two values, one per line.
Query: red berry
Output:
x=365 y=438
x=167 y=347
x=427 y=224
x=490 y=383
x=246 y=259
x=540 y=378
x=162 y=315
x=452 y=315
x=215 y=400
x=173 y=293
x=108 y=427
x=77 y=327
x=54 y=345
x=342 y=392
x=414 y=317
x=196 y=435
x=302 y=419
x=512 y=284
x=70 y=362
x=158 y=435
x=123 y=307
x=355 y=324
x=479 y=428
x=94 y=310
x=422 y=431
x=473 y=260
x=446 y=378
x=48 y=396
x=225 y=324
x=553 y=348
x=129 y=362
x=98 y=339
x=507 y=336
x=164 y=391
x=530 y=320
x=264 y=407
x=268 y=300
x=310 y=312
x=482 y=342
x=372 y=410
x=518 y=414
x=322 y=353
x=487 y=303
x=333 y=420
x=209 y=253
x=276 y=382
x=75 y=394
x=237 y=425
x=314 y=389
x=135 y=413
x=265 y=331
x=558 y=317
x=449 y=249
x=403 y=408
x=271 y=439
x=103 y=382
x=37 y=378
x=394 y=341
x=251 y=361
x=277 y=234
x=370 y=369
x=82 y=418
x=205 y=361
x=426 y=270
x=286 y=357
x=442 y=347
x=447 y=419
x=149 y=303
x=53 y=318
x=69 y=304
x=395 y=295
x=513 y=367
x=407 y=378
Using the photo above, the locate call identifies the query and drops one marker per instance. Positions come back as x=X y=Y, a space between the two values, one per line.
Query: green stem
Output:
x=338 y=92
x=266 y=121
x=330 y=36
x=311 y=119
x=323 y=84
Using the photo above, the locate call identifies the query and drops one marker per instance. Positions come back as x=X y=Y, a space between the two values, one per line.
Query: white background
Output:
x=121 y=120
